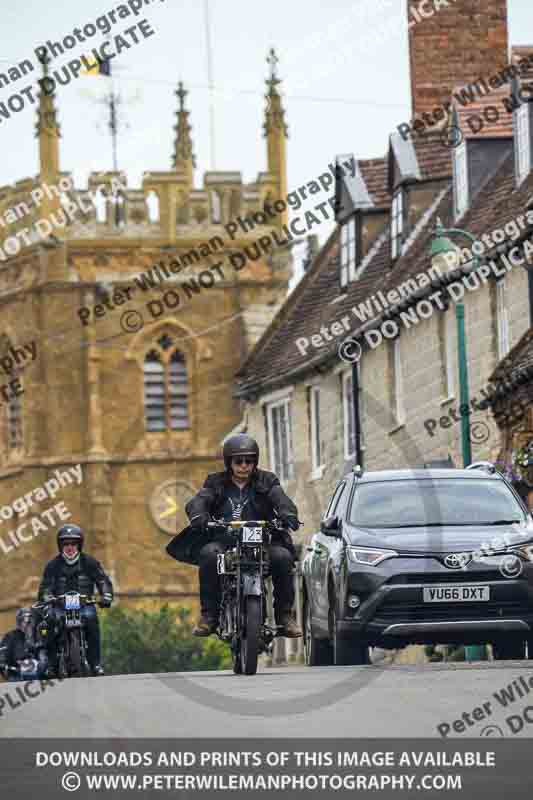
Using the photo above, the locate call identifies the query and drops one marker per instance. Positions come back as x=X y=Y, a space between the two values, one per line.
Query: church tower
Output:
x=140 y=320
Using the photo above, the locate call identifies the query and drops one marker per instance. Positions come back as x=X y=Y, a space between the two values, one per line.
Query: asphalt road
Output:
x=392 y=701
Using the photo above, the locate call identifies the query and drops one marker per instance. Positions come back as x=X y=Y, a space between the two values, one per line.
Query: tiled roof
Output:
x=433 y=156
x=374 y=172
x=318 y=301
x=495 y=124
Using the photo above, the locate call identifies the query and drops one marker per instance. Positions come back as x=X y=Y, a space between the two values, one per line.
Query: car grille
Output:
x=459 y=576
x=443 y=612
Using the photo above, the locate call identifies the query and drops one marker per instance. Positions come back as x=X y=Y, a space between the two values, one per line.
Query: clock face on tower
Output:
x=167 y=506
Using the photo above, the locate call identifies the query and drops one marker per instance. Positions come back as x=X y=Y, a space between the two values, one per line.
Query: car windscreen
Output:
x=433 y=502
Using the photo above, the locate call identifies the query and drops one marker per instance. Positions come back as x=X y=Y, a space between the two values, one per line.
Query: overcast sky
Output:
x=342 y=94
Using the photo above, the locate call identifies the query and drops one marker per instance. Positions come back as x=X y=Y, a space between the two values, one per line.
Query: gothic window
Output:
x=166 y=388
x=152 y=203
x=11 y=429
x=216 y=210
x=100 y=204
x=120 y=209
x=14 y=422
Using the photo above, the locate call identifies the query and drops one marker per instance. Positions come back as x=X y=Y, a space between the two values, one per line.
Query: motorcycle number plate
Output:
x=254 y=535
x=72 y=602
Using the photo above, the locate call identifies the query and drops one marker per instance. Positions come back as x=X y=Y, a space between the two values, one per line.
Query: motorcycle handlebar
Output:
x=237 y=524
x=87 y=597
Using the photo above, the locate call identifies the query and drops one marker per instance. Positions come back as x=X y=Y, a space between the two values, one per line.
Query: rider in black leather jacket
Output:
x=241 y=492
x=73 y=570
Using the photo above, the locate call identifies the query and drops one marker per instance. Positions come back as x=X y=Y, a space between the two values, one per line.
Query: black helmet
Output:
x=69 y=533
x=240 y=445
x=23 y=617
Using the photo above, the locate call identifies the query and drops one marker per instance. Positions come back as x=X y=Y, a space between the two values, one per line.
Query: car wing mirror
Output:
x=331 y=526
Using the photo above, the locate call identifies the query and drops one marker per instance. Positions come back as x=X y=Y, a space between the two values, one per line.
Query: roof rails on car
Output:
x=486 y=465
x=357 y=470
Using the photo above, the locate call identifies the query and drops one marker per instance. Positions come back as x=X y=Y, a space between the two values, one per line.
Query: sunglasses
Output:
x=243 y=460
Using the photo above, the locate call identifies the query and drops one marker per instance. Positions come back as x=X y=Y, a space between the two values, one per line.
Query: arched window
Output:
x=119 y=204
x=10 y=404
x=166 y=388
x=100 y=204
x=152 y=203
x=216 y=209
x=14 y=421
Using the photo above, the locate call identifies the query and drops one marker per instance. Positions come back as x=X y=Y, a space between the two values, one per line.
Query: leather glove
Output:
x=199 y=522
x=289 y=521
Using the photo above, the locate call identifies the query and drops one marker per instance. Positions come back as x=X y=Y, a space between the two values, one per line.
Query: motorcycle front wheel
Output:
x=250 y=635
x=74 y=647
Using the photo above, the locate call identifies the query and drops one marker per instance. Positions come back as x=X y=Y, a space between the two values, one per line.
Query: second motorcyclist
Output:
x=74 y=570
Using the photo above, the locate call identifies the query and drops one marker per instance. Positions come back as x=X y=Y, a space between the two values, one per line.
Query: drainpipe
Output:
x=464 y=396
x=356 y=415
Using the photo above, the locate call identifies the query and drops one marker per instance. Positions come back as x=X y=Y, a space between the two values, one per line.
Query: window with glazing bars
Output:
x=166 y=391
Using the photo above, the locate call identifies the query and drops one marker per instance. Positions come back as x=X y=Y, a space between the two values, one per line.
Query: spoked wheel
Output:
x=75 y=653
x=251 y=632
x=62 y=671
x=318 y=652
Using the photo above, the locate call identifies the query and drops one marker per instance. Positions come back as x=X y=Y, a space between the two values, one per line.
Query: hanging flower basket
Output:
x=523 y=462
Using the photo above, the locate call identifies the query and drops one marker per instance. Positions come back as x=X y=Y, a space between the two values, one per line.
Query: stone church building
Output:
x=134 y=355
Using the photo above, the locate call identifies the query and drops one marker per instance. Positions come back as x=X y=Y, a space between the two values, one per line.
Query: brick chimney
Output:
x=461 y=41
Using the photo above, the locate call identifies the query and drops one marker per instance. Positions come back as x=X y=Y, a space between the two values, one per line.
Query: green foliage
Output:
x=139 y=641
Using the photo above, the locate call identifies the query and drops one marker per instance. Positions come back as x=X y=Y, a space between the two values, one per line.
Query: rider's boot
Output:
x=206 y=625
x=287 y=626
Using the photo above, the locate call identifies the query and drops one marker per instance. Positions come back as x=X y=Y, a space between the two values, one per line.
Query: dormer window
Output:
x=348 y=252
x=460 y=180
x=397 y=224
x=523 y=143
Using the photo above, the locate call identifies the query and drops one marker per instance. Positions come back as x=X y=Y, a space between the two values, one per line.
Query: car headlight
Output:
x=525 y=551
x=368 y=555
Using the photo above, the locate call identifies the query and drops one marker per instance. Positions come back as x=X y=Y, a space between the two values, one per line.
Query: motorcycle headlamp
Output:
x=369 y=556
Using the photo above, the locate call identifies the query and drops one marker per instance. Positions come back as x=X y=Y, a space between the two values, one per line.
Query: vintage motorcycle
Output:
x=29 y=668
x=71 y=639
x=243 y=570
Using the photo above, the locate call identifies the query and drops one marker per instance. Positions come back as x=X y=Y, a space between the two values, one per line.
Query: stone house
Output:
x=365 y=350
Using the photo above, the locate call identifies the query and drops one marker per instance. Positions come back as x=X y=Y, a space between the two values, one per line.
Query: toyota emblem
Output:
x=457 y=560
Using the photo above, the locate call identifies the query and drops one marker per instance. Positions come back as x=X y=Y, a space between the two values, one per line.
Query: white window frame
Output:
x=397 y=224
x=399 y=407
x=460 y=180
x=317 y=465
x=348 y=427
x=276 y=465
x=502 y=320
x=523 y=143
x=348 y=252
